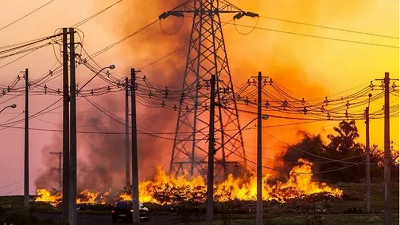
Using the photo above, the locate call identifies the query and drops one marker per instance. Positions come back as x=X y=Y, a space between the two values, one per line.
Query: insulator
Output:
x=347 y=104
x=329 y=116
x=150 y=94
x=58 y=91
x=326 y=100
x=265 y=81
x=4 y=92
x=285 y=103
x=175 y=107
x=322 y=108
x=270 y=81
x=19 y=78
x=108 y=88
x=303 y=101
x=267 y=104
x=50 y=72
x=163 y=104
x=144 y=78
x=8 y=88
x=305 y=110
x=394 y=86
x=92 y=92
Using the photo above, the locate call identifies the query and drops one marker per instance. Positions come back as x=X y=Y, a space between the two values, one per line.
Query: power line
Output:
x=315 y=36
x=332 y=28
x=15 y=21
x=121 y=40
x=80 y=23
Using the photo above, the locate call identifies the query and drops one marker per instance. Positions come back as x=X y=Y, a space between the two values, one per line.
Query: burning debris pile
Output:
x=169 y=189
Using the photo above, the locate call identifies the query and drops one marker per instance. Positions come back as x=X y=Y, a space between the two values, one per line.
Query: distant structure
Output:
x=59 y=169
x=206 y=56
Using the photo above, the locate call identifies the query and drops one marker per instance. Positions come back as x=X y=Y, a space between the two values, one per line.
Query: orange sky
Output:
x=307 y=66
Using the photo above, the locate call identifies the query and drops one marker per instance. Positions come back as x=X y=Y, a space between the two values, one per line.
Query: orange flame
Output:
x=170 y=189
x=45 y=195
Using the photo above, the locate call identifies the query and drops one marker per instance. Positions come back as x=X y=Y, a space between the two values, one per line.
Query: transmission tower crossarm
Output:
x=222 y=7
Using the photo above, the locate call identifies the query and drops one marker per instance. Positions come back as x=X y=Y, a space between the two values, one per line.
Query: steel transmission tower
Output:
x=206 y=56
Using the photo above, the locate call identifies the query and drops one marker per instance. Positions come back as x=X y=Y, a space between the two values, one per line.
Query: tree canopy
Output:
x=342 y=159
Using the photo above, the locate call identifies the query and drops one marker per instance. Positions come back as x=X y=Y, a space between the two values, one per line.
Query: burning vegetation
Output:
x=170 y=189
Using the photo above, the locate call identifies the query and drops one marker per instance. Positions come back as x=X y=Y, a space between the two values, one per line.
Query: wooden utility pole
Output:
x=388 y=158
x=26 y=158
x=73 y=138
x=127 y=159
x=211 y=152
x=65 y=189
x=259 y=153
x=73 y=141
x=368 y=165
x=135 y=172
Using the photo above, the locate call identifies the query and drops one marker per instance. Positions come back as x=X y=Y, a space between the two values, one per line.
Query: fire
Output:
x=170 y=189
x=45 y=195
x=84 y=197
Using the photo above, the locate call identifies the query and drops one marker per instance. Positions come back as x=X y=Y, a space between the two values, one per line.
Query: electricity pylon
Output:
x=206 y=56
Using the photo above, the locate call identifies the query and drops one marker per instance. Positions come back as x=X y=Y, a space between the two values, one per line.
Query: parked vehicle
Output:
x=122 y=210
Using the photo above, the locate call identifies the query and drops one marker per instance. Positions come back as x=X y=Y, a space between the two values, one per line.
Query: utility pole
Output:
x=368 y=165
x=73 y=141
x=127 y=160
x=388 y=158
x=65 y=189
x=211 y=152
x=135 y=172
x=259 y=154
x=59 y=169
x=26 y=169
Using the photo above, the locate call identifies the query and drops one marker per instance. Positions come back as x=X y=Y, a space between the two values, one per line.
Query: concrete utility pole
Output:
x=65 y=189
x=127 y=159
x=59 y=169
x=388 y=158
x=26 y=169
x=211 y=152
x=135 y=172
x=73 y=140
x=259 y=154
x=368 y=165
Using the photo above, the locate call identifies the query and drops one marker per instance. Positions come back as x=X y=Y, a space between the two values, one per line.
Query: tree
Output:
x=343 y=156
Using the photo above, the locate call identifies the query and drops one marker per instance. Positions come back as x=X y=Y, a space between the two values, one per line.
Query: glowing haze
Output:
x=309 y=67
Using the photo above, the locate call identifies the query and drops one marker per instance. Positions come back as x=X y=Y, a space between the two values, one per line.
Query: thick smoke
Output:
x=102 y=157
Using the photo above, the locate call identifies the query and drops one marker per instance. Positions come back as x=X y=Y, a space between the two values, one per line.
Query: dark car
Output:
x=122 y=210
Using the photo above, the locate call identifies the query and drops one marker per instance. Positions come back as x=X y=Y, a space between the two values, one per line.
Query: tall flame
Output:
x=170 y=189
